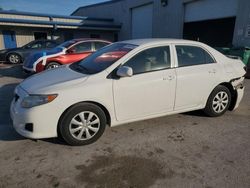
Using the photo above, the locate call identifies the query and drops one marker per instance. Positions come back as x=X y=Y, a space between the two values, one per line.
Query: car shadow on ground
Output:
x=198 y=113
x=13 y=71
x=56 y=141
x=7 y=132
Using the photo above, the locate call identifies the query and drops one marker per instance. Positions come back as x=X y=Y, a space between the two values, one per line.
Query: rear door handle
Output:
x=170 y=77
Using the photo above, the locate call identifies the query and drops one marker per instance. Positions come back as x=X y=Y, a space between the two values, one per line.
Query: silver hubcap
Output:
x=52 y=66
x=220 y=102
x=84 y=125
x=14 y=58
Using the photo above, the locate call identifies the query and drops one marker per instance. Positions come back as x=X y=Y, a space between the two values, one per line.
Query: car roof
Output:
x=140 y=42
x=89 y=39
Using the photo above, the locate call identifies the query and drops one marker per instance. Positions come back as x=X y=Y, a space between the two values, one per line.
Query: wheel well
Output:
x=91 y=102
x=104 y=110
x=233 y=94
x=53 y=62
x=7 y=56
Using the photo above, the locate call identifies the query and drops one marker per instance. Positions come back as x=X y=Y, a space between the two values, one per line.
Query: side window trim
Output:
x=193 y=45
x=95 y=42
x=93 y=46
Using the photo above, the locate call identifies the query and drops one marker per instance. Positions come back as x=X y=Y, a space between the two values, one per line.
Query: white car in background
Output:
x=126 y=82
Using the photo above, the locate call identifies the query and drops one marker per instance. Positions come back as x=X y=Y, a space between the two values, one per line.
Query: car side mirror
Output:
x=124 y=71
x=70 y=51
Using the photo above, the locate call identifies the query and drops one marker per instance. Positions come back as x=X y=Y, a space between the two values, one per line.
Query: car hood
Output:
x=52 y=80
x=31 y=59
x=51 y=51
x=9 y=50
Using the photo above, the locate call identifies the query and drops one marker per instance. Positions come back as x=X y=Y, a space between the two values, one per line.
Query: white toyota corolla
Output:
x=125 y=82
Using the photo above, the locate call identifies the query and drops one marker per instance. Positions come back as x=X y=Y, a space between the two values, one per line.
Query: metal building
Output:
x=19 y=28
x=215 y=22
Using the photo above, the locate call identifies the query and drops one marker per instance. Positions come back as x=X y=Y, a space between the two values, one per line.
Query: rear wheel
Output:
x=218 y=101
x=82 y=124
x=14 y=58
x=52 y=65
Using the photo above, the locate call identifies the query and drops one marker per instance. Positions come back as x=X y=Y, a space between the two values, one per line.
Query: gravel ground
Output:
x=184 y=150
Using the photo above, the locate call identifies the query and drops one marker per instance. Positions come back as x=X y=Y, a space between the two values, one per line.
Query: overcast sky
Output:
x=61 y=7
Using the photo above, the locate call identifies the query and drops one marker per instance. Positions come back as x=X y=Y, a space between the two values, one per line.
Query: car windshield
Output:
x=103 y=58
x=28 y=45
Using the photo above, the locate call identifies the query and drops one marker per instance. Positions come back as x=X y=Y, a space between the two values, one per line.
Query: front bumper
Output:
x=44 y=122
x=28 y=70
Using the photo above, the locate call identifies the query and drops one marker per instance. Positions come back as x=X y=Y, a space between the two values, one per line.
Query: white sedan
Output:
x=126 y=82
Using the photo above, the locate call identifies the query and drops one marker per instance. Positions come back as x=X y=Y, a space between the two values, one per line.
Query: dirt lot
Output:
x=184 y=150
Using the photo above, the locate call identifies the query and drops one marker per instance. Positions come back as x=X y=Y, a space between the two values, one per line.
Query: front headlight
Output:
x=36 y=100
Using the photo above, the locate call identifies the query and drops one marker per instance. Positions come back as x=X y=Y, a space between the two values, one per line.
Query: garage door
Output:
x=210 y=9
x=210 y=21
x=142 y=21
x=216 y=33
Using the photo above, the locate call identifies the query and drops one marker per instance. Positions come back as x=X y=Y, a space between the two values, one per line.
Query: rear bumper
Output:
x=240 y=93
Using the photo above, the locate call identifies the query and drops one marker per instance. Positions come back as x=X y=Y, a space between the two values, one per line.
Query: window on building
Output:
x=150 y=60
x=40 y=35
x=115 y=37
x=95 y=36
x=68 y=36
x=192 y=55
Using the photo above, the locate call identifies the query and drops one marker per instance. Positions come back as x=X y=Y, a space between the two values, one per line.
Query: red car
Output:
x=66 y=53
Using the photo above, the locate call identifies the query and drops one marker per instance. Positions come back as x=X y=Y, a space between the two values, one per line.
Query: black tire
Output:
x=65 y=124
x=52 y=65
x=210 y=107
x=14 y=58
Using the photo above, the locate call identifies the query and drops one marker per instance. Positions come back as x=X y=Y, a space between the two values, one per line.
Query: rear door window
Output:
x=99 y=45
x=192 y=55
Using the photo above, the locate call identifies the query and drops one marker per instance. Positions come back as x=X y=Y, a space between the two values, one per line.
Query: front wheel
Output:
x=52 y=65
x=82 y=124
x=218 y=101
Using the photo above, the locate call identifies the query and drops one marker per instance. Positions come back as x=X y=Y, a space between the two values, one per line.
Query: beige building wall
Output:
x=23 y=37
x=1 y=41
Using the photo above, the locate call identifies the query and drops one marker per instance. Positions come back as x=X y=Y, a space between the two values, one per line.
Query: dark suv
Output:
x=17 y=55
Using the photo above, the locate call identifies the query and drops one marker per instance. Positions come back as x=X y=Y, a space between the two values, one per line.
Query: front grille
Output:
x=29 y=127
